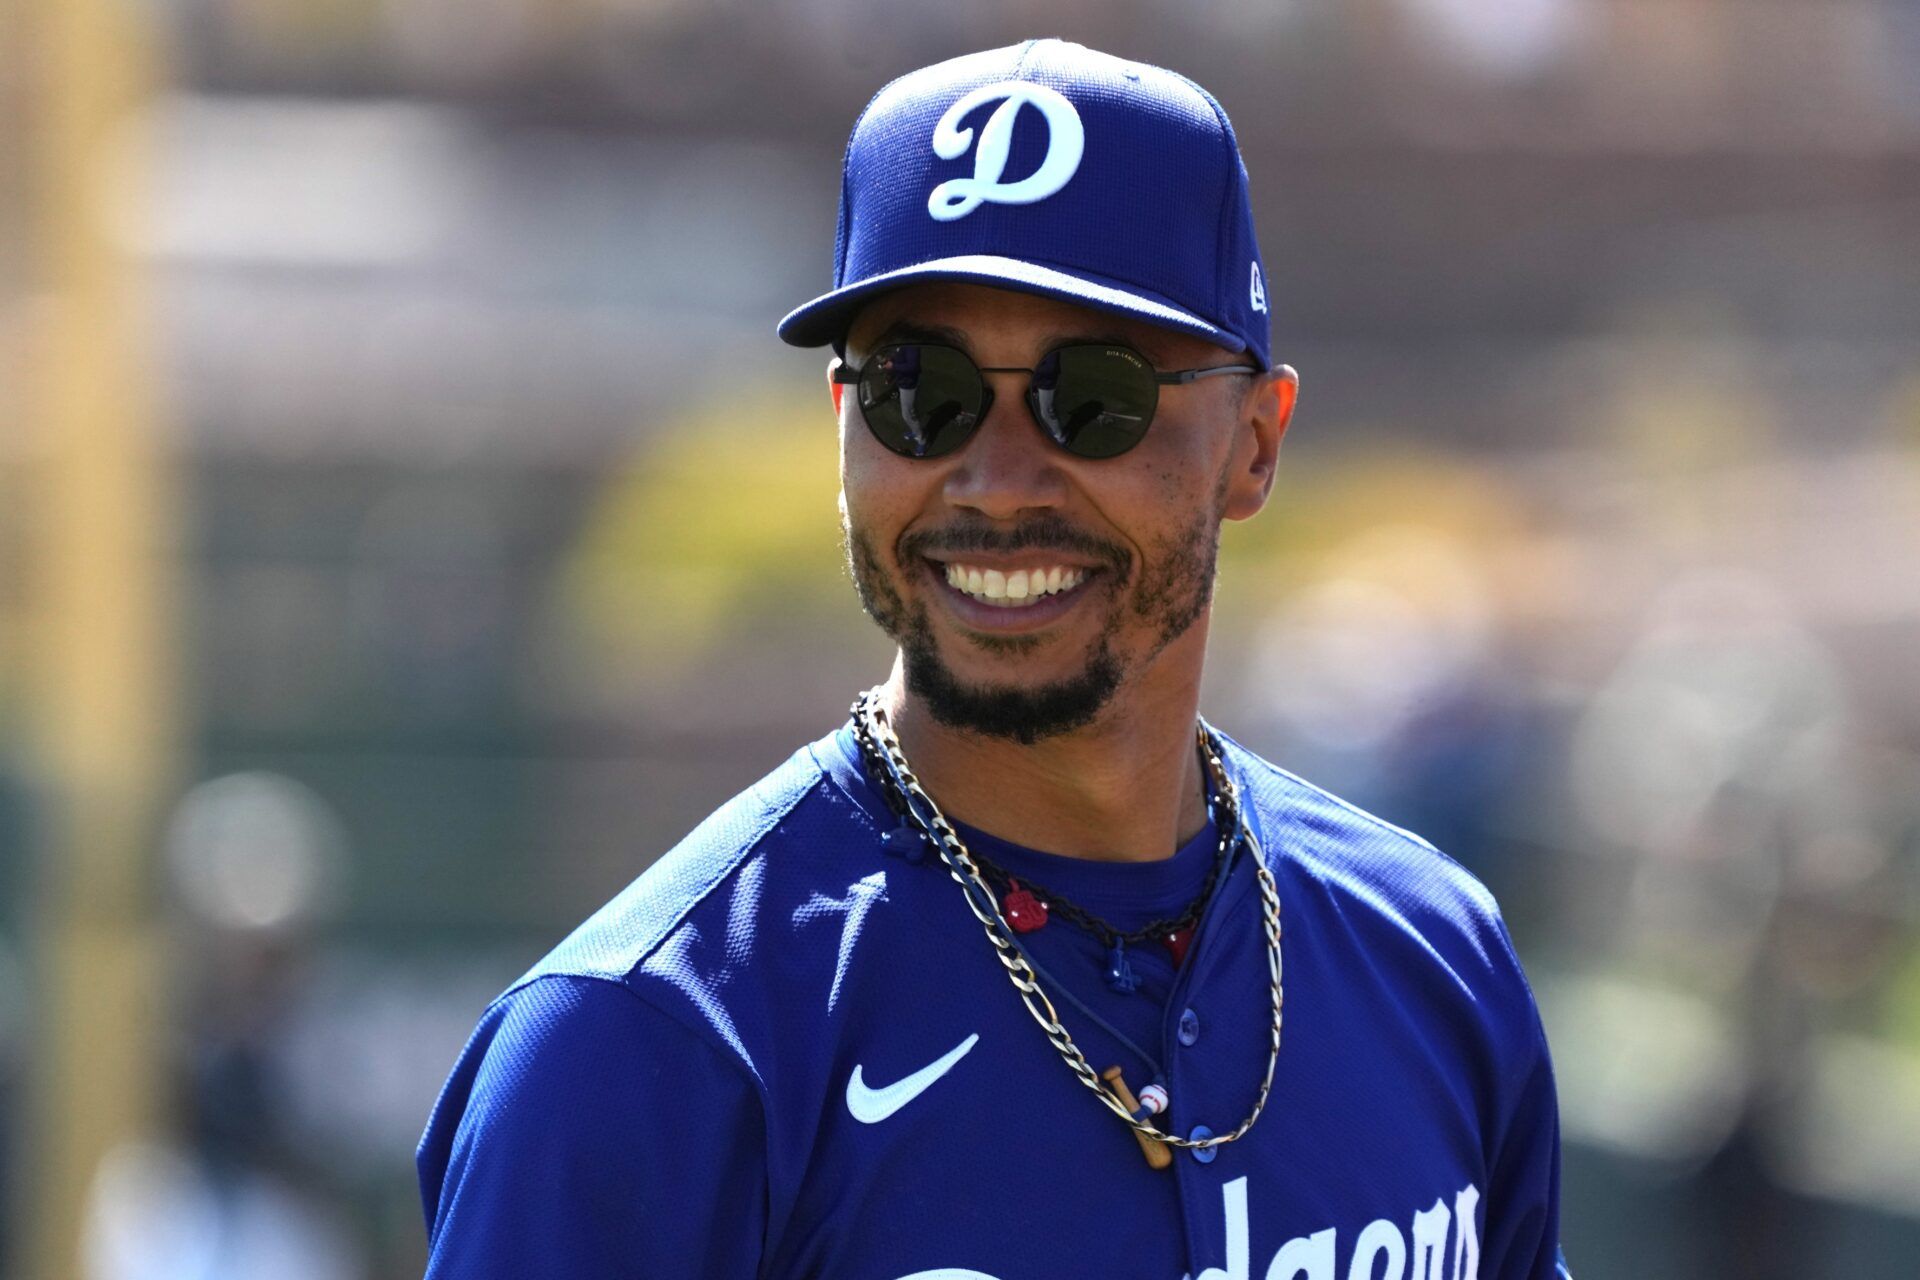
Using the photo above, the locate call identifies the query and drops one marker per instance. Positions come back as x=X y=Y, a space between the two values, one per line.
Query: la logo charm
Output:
x=1259 y=290
x=1066 y=139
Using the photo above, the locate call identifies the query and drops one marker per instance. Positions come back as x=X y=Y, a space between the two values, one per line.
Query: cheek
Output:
x=860 y=485
x=1174 y=478
x=880 y=495
x=1186 y=469
x=1172 y=488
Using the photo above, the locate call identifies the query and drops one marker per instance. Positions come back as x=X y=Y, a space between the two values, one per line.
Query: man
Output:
x=988 y=984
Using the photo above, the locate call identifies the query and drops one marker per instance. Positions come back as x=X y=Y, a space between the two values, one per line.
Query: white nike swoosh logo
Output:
x=871 y=1106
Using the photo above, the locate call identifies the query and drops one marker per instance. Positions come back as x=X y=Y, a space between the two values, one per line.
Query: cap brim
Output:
x=824 y=320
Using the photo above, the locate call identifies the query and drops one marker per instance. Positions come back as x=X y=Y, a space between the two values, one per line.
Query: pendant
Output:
x=1159 y=1155
x=1120 y=974
x=1024 y=910
x=1176 y=942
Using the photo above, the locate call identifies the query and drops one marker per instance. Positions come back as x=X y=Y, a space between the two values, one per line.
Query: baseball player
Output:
x=1026 y=970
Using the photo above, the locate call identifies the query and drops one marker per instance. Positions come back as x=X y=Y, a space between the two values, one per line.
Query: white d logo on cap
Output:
x=958 y=197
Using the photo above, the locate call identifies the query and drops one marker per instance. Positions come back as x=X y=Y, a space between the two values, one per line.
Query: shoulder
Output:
x=1382 y=880
x=570 y=1037
x=1341 y=841
x=621 y=935
x=699 y=933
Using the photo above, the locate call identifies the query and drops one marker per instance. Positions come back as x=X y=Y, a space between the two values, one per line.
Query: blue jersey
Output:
x=788 y=1050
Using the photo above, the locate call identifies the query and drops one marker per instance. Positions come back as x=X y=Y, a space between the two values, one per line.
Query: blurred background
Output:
x=410 y=526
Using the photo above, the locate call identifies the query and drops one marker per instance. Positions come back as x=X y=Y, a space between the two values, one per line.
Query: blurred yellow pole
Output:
x=101 y=547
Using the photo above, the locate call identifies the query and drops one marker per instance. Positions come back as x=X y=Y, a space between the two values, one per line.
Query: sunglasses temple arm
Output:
x=1185 y=376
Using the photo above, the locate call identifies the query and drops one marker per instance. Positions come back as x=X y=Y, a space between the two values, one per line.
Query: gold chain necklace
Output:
x=980 y=900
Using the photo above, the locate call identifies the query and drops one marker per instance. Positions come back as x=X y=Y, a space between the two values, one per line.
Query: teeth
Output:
x=1013 y=590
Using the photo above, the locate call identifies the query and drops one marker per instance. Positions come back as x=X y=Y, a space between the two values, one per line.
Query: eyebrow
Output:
x=914 y=331
x=910 y=331
x=1099 y=338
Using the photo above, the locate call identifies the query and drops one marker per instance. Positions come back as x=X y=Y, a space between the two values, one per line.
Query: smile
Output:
x=1007 y=599
x=1018 y=589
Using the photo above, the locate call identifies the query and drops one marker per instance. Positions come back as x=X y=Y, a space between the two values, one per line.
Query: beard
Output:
x=1173 y=592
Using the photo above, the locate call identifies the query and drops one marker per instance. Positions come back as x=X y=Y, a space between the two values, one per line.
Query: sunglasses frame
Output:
x=846 y=374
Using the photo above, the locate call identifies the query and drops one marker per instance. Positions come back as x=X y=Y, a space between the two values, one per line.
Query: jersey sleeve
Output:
x=585 y=1133
x=1523 y=1204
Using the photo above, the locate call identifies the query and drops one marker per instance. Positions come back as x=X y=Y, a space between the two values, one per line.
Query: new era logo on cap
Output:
x=1054 y=169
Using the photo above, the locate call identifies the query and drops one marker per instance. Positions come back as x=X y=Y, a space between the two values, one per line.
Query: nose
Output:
x=1008 y=466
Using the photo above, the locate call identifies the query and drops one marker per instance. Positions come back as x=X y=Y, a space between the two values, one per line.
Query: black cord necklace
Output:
x=1030 y=906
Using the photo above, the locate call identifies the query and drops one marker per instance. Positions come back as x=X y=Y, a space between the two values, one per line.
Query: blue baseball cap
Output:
x=1049 y=168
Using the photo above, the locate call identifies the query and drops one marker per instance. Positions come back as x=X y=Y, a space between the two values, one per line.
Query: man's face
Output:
x=1091 y=572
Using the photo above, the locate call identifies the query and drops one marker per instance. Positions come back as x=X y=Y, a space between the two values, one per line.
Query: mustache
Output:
x=1042 y=533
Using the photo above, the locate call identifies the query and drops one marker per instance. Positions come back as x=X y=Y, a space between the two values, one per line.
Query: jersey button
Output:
x=1204 y=1155
x=1189 y=1029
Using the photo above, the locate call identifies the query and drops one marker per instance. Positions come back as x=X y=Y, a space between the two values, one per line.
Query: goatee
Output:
x=1172 y=594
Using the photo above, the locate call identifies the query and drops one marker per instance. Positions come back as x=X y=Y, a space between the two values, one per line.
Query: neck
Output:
x=1127 y=788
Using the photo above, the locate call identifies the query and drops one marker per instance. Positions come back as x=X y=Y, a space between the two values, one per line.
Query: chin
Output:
x=1024 y=710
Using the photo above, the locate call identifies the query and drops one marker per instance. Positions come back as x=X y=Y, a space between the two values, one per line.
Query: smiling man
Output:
x=989 y=982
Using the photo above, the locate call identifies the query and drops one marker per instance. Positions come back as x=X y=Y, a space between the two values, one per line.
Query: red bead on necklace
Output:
x=1176 y=942
x=1024 y=910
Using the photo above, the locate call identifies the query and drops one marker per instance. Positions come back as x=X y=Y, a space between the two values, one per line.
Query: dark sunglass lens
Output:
x=921 y=400
x=1096 y=400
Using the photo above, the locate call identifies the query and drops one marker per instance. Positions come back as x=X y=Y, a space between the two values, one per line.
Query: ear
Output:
x=835 y=389
x=1264 y=414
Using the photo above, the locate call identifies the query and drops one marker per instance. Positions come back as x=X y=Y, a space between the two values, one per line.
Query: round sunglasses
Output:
x=1095 y=400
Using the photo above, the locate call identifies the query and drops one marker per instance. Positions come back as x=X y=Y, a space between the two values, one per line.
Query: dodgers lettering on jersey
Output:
x=785 y=1051
x=1317 y=1256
